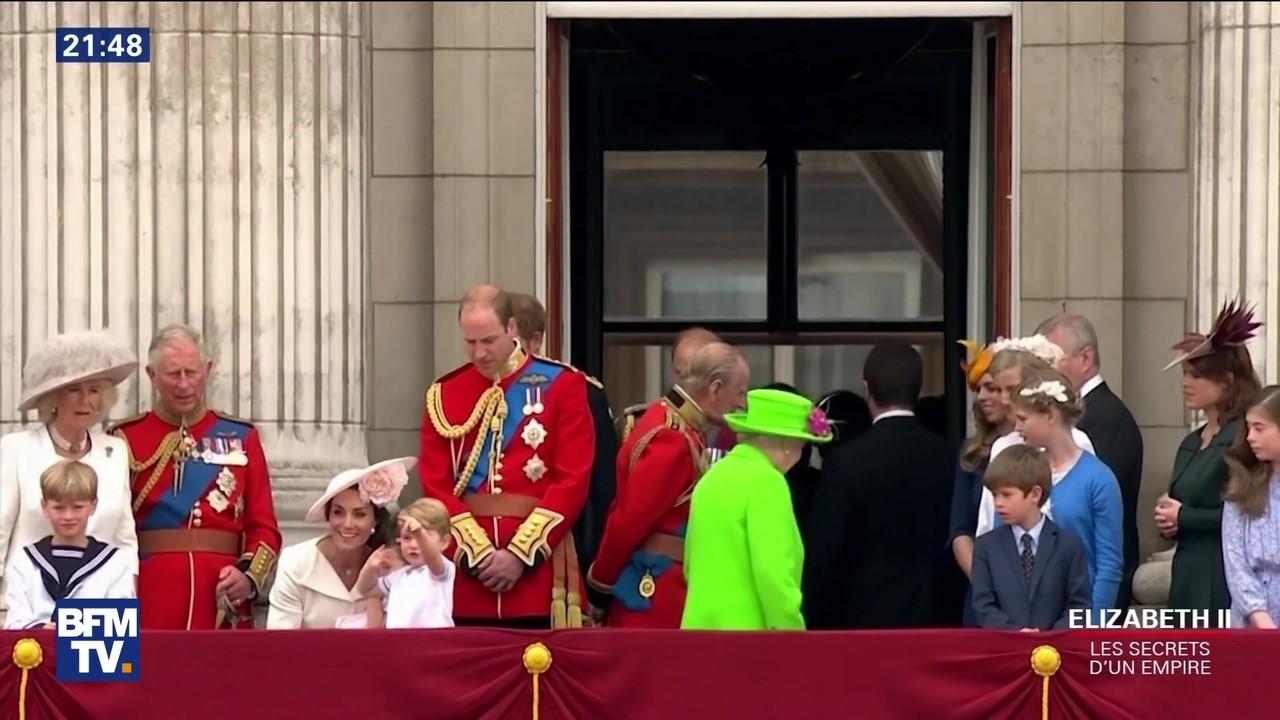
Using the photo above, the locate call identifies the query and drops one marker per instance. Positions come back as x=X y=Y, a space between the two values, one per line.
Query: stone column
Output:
x=220 y=185
x=1236 y=160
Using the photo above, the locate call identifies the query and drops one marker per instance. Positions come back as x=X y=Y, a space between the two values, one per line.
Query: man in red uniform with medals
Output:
x=641 y=556
x=507 y=446
x=207 y=533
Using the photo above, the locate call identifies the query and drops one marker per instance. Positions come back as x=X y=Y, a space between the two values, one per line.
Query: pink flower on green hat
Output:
x=819 y=425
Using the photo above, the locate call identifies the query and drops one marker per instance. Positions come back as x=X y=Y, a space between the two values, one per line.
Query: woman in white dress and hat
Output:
x=315 y=585
x=71 y=382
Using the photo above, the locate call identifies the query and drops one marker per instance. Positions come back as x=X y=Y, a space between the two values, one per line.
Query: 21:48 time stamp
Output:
x=103 y=44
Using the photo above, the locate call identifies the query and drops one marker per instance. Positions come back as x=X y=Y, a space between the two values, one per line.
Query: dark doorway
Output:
x=800 y=187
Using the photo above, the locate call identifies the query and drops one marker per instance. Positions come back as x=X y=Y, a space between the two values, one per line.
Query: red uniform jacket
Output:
x=220 y=514
x=524 y=496
x=641 y=557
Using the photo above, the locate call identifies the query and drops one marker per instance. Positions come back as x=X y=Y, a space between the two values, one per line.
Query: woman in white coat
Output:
x=70 y=381
x=315 y=585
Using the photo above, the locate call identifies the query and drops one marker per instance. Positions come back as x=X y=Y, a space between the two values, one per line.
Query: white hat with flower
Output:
x=379 y=484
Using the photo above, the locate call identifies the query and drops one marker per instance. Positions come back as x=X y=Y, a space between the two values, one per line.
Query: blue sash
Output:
x=172 y=509
x=626 y=589
x=536 y=374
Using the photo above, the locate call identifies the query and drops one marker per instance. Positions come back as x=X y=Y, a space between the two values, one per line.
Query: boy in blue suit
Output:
x=1028 y=573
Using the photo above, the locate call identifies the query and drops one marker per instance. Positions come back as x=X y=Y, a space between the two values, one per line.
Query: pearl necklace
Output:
x=64 y=445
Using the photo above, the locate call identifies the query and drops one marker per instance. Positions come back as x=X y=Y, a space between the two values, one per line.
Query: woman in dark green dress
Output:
x=1218 y=379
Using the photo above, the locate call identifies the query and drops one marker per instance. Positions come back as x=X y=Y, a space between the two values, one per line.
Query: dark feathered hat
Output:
x=1233 y=328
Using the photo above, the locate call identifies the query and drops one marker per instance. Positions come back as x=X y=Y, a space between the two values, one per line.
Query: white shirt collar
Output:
x=1090 y=385
x=893 y=414
x=1034 y=532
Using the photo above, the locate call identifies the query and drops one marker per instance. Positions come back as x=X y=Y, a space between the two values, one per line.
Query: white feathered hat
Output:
x=72 y=358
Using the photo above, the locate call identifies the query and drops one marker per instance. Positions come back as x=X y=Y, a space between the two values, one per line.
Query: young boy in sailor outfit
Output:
x=68 y=563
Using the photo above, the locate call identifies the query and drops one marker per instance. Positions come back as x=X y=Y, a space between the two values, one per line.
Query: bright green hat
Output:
x=778 y=413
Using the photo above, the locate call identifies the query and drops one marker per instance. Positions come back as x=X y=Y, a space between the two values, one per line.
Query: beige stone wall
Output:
x=451 y=193
x=1106 y=198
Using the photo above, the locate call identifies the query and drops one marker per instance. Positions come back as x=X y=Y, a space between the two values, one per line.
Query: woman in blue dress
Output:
x=1086 y=496
x=990 y=422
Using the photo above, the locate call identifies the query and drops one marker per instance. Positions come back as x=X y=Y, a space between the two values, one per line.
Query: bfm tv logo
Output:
x=97 y=640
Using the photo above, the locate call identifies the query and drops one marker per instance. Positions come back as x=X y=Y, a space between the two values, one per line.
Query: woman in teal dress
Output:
x=1218 y=379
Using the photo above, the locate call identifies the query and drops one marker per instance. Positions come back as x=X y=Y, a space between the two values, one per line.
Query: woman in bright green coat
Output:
x=743 y=554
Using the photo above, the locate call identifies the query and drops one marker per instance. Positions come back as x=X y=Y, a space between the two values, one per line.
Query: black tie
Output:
x=1028 y=558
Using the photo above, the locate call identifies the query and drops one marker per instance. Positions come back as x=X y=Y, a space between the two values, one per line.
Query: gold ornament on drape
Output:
x=27 y=655
x=1045 y=661
x=537 y=659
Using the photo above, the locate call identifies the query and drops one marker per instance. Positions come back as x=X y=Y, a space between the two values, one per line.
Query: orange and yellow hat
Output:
x=977 y=364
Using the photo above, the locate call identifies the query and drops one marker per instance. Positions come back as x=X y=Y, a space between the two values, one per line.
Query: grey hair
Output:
x=712 y=362
x=47 y=404
x=1079 y=330
x=171 y=334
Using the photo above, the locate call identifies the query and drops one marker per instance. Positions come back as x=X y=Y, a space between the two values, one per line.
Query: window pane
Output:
x=685 y=235
x=870 y=235
x=636 y=374
x=820 y=369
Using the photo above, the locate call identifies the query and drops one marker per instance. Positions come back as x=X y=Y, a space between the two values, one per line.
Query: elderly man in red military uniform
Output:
x=508 y=445
x=641 y=556
x=207 y=532
x=687 y=343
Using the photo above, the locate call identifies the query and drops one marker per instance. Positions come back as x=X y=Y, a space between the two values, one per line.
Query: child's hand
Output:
x=1029 y=630
x=381 y=560
x=411 y=525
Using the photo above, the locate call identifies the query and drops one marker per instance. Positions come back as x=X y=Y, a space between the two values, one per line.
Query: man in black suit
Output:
x=1107 y=422
x=876 y=555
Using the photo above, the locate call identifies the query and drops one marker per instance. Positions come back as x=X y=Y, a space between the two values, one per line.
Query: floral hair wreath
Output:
x=1049 y=388
x=383 y=486
x=1037 y=345
x=818 y=423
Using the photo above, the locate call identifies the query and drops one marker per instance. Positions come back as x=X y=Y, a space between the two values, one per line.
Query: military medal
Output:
x=217 y=501
x=537 y=404
x=235 y=452
x=534 y=434
x=534 y=469
x=226 y=481
x=647 y=586
x=219 y=497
